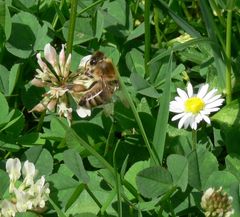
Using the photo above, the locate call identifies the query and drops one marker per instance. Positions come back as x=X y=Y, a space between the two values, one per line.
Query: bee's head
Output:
x=97 y=57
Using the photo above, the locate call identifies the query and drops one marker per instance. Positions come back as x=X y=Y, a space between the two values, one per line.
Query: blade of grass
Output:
x=212 y=29
x=181 y=22
x=118 y=182
x=163 y=114
x=228 y=57
x=90 y=6
x=57 y=209
x=152 y=154
x=180 y=47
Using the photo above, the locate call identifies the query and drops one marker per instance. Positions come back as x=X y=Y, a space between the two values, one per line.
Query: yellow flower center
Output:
x=194 y=105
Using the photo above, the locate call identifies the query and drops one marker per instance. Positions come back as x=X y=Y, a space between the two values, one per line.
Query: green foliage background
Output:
x=128 y=158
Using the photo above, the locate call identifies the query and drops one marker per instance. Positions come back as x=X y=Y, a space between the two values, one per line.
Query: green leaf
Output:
x=220 y=179
x=233 y=164
x=4 y=184
x=132 y=172
x=85 y=215
x=111 y=52
x=13 y=77
x=99 y=25
x=4 y=79
x=4 y=109
x=74 y=162
x=5 y=19
x=135 y=62
x=138 y=31
x=142 y=86
x=154 y=181
x=201 y=164
x=83 y=30
x=229 y=120
x=41 y=158
x=178 y=167
x=26 y=27
x=229 y=115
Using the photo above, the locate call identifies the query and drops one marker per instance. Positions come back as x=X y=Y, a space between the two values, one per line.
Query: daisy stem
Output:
x=228 y=57
x=73 y=16
x=194 y=139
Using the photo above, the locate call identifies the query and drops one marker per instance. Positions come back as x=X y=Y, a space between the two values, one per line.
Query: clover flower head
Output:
x=216 y=203
x=28 y=195
x=192 y=108
x=54 y=74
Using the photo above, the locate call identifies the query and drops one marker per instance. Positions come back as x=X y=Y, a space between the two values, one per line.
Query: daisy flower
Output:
x=192 y=108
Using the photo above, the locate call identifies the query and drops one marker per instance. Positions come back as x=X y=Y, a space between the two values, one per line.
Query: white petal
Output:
x=62 y=60
x=189 y=89
x=50 y=54
x=182 y=94
x=183 y=119
x=210 y=110
x=206 y=119
x=83 y=112
x=198 y=118
x=179 y=100
x=176 y=107
x=84 y=61
x=13 y=168
x=29 y=172
x=178 y=116
x=194 y=125
x=210 y=94
x=202 y=91
x=216 y=103
x=187 y=122
x=214 y=98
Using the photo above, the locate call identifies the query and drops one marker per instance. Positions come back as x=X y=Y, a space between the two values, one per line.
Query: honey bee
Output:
x=102 y=73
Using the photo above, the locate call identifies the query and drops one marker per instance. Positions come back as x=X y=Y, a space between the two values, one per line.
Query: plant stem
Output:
x=157 y=29
x=152 y=154
x=228 y=57
x=147 y=35
x=194 y=139
x=40 y=122
x=73 y=16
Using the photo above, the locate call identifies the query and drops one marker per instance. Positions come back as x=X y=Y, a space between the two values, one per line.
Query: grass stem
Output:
x=147 y=35
x=73 y=15
x=228 y=57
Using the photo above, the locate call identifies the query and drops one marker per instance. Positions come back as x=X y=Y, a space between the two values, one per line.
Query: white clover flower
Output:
x=28 y=195
x=54 y=74
x=13 y=168
x=83 y=112
x=65 y=111
x=23 y=202
x=192 y=108
x=39 y=192
x=8 y=209
x=216 y=203
x=28 y=172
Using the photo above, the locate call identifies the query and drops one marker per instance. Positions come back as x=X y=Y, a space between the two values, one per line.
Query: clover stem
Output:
x=73 y=15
